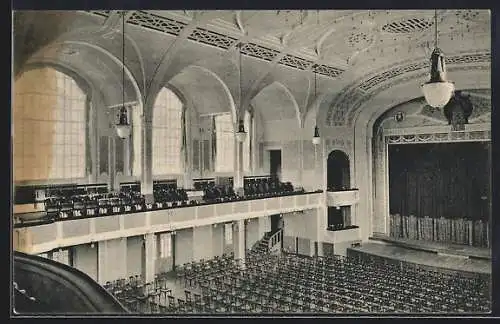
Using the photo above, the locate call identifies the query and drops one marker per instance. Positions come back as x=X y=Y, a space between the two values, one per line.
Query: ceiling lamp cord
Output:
x=316 y=137
x=241 y=45
x=123 y=58
x=123 y=127
x=435 y=29
x=241 y=134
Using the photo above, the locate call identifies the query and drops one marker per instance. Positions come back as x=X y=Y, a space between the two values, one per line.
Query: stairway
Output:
x=262 y=245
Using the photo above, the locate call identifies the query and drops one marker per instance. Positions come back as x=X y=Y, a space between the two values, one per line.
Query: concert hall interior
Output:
x=251 y=161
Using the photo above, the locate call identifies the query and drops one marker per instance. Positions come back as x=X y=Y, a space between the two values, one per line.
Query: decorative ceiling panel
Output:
x=211 y=38
x=327 y=70
x=102 y=13
x=406 y=26
x=296 y=62
x=258 y=51
x=151 y=21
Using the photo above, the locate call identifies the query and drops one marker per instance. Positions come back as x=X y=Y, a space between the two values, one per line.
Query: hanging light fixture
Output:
x=438 y=90
x=316 y=140
x=241 y=134
x=123 y=126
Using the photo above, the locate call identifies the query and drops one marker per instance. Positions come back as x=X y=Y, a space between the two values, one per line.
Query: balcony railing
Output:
x=346 y=235
x=38 y=238
x=342 y=198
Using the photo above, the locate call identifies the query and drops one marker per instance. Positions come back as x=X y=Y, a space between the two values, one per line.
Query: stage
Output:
x=443 y=257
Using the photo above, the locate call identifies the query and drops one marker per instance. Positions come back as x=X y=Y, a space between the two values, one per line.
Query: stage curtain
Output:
x=440 y=180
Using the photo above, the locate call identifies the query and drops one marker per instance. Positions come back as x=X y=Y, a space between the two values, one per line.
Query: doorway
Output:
x=338 y=171
x=275 y=163
x=276 y=223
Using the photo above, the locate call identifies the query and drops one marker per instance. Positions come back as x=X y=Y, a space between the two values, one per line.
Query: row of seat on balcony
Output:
x=68 y=203
x=265 y=185
x=339 y=188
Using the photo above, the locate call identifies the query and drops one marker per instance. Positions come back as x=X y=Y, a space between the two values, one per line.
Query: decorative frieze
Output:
x=460 y=136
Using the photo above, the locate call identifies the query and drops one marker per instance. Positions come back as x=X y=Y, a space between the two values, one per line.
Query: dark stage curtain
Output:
x=450 y=180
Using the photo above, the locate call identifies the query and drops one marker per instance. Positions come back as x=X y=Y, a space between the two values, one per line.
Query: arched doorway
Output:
x=338 y=177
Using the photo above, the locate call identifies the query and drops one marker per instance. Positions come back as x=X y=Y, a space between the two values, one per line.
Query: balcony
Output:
x=41 y=237
x=341 y=198
x=347 y=234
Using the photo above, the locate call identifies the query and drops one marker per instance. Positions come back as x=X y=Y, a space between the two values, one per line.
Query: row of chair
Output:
x=287 y=283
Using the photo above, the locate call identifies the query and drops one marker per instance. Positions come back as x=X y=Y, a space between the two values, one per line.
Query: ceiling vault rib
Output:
x=203 y=35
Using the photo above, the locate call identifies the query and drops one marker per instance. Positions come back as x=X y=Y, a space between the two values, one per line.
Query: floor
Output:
x=440 y=247
x=431 y=259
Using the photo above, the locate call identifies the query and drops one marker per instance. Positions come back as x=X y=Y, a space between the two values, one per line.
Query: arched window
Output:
x=167 y=133
x=49 y=118
x=247 y=145
x=224 y=137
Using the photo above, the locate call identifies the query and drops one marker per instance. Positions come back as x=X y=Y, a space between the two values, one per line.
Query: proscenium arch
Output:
x=478 y=77
x=185 y=92
x=465 y=77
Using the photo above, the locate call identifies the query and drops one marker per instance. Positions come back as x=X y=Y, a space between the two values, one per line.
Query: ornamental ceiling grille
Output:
x=158 y=23
x=407 y=26
x=204 y=36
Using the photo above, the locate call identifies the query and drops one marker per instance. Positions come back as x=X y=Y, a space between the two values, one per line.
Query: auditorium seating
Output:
x=267 y=186
x=290 y=283
x=339 y=188
x=218 y=193
x=139 y=296
x=66 y=202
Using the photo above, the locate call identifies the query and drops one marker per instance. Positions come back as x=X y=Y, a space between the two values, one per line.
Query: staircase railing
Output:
x=275 y=239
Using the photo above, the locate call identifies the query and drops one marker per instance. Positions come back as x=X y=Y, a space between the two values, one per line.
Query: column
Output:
x=238 y=174
x=101 y=262
x=188 y=157
x=149 y=257
x=239 y=242
x=301 y=161
x=112 y=162
x=320 y=227
x=202 y=242
x=111 y=260
x=311 y=247
x=147 y=160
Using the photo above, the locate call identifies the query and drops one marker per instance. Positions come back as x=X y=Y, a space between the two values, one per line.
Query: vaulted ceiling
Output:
x=355 y=53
